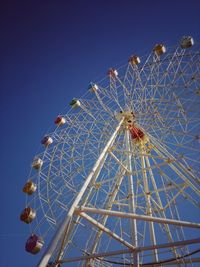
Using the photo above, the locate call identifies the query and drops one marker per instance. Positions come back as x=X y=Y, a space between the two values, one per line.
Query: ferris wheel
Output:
x=117 y=182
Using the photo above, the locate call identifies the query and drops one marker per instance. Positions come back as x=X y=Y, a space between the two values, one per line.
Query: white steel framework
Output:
x=119 y=184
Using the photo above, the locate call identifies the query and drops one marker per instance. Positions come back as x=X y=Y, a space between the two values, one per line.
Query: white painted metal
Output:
x=132 y=208
x=162 y=210
x=65 y=223
x=108 y=207
x=138 y=217
x=181 y=173
x=105 y=229
x=67 y=237
x=127 y=251
x=148 y=200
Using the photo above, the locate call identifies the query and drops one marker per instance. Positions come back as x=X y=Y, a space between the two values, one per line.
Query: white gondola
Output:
x=37 y=163
x=93 y=87
x=47 y=140
x=75 y=103
x=187 y=42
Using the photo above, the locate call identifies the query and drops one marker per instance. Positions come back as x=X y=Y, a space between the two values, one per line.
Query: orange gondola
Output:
x=29 y=187
x=159 y=49
x=134 y=60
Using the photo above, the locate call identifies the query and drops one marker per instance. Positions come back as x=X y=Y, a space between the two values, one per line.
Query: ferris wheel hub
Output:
x=137 y=133
x=129 y=116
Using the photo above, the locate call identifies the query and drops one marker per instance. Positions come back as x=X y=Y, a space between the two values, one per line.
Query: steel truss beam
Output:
x=105 y=229
x=132 y=206
x=138 y=249
x=136 y=216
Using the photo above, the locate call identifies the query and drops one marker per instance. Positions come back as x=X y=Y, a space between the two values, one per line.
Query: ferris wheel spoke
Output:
x=128 y=82
x=189 y=148
x=105 y=107
x=172 y=185
x=167 y=229
x=181 y=173
x=126 y=93
x=136 y=88
x=113 y=91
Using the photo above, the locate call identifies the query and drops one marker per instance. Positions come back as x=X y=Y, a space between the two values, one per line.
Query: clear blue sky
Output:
x=49 y=52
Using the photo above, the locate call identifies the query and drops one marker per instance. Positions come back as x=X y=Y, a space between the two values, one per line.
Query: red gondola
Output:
x=59 y=121
x=34 y=244
x=28 y=215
